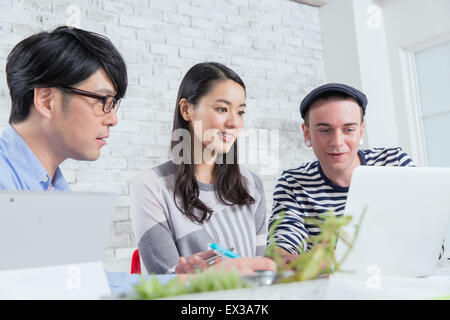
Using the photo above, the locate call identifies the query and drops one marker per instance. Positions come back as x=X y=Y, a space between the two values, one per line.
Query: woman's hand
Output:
x=246 y=266
x=195 y=262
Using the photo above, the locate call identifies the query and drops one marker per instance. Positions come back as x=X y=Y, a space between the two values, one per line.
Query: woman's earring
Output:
x=308 y=143
x=361 y=142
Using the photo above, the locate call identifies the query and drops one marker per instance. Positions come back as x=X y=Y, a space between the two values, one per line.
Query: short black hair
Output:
x=63 y=57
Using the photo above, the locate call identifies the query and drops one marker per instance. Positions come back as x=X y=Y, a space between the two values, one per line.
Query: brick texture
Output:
x=274 y=45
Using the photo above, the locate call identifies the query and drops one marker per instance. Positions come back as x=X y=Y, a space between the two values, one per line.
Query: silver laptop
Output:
x=52 y=244
x=405 y=224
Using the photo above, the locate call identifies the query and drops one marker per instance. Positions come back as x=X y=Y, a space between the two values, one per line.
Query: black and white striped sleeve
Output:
x=291 y=233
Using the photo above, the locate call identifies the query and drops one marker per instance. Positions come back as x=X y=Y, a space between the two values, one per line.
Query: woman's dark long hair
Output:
x=229 y=184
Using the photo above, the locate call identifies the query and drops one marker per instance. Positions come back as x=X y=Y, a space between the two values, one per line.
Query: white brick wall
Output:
x=274 y=45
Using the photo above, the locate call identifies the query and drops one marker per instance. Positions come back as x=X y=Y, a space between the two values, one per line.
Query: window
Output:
x=433 y=79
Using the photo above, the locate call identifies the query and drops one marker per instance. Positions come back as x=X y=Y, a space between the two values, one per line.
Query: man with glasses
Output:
x=65 y=89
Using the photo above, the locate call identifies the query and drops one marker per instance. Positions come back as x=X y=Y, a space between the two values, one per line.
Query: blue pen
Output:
x=224 y=252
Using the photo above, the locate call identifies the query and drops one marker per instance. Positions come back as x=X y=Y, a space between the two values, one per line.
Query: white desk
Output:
x=341 y=287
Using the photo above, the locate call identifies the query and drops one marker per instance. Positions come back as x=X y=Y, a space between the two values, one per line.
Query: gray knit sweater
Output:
x=164 y=233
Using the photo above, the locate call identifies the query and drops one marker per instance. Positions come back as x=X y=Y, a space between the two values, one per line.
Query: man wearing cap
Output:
x=333 y=126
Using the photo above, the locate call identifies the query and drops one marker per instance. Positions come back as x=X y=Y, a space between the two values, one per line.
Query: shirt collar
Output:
x=362 y=157
x=331 y=183
x=28 y=166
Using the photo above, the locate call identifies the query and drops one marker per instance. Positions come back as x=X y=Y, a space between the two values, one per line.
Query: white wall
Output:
x=372 y=51
x=423 y=23
x=369 y=50
x=274 y=45
x=340 y=43
x=411 y=24
x=355 y=53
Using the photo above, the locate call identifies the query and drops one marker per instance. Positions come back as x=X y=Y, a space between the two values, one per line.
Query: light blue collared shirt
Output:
x=20 y=169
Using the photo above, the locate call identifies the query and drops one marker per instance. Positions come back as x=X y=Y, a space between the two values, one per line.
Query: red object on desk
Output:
x=135 y=262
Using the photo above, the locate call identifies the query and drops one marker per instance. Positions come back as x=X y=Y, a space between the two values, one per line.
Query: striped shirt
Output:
x=305 y=192
x=164 y=233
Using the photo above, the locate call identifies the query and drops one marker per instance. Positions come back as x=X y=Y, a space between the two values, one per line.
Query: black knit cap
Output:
x=329 y=88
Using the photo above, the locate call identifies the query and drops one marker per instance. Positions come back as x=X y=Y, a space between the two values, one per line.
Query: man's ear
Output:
x=44 y=101
x=305 y=130
x=185 y=109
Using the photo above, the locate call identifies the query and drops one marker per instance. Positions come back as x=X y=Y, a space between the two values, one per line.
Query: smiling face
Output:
x=218 y=117
x=80 y=126
x=335 y=129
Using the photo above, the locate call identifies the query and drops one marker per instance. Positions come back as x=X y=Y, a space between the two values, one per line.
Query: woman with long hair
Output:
x=202 y=195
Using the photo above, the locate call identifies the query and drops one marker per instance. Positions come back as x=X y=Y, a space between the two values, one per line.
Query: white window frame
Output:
x=413 y=108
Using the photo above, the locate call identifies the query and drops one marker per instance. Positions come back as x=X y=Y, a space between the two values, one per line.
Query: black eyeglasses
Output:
x=109 y=102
